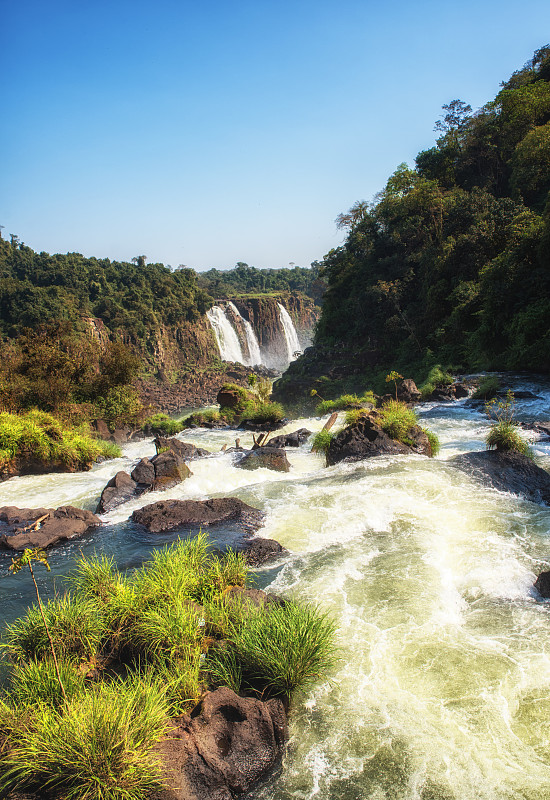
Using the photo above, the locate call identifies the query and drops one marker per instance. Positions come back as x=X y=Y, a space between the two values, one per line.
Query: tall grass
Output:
x=396 y=419
x=321 y=442
x=343 y=402
x=505 y=437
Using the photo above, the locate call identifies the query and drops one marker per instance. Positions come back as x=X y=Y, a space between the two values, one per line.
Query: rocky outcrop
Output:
x=408 y=392
x=508 y=472
x=260 y=551
x=223 y=748
x=542 y=585
x=168 y=515
x=366 y=439
x=43 y=527
x=294 y=439
x=267 y=457
x=185 y=450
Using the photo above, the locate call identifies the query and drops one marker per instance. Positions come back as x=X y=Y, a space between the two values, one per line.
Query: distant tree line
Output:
x=243 y=279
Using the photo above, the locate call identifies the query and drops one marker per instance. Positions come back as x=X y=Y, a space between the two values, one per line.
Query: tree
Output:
x=458 y=113
x=356 y=214
x=139 y=260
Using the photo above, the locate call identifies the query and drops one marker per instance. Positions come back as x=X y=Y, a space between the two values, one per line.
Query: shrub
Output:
x=258 y=412
x=200 y=417
x=505 y=436
x=97 y=748
x=120 y=405
x=436 y=377
x=321 y=442
x=283 y=648
x=396 y=419
x=343 y=402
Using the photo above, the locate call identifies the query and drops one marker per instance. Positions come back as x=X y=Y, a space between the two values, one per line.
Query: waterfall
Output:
x=226 y=336
x=291 y=337
x=251 y=339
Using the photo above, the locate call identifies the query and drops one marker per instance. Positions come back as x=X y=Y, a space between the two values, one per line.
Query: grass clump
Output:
x=436 y=377
x=199 y=418
x=258 y=412
x=396 y=419
x=39 y=435
x=504 y=434
x=487 y=389
x=321 y=442
x=162 y=425
x=435 y=444
x=153 y=641
x=345 y=401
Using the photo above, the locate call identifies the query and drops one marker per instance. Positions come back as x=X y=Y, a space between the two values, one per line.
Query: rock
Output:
x=408 y=391
x=294 y=439
x=252 y=597
x=508 y=472
x=170 y=470
x=43 y=527
x=118 y=490
x=542 y=585
x=259 y=551
x=144 y=473
x=442 y=394
x=223 y=748
x=460 y=390
x=230 y=398
x=259 y=427
x=364 y=439
x=268 y=457
x=185 y=450
x=168 y=515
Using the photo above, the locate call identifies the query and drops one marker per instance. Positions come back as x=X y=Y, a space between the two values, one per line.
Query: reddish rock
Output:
x=268 y=457
x=43 y=527
x=168 y=515
x=227 y=745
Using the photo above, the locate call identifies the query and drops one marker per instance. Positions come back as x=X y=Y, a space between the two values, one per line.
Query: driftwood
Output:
x=330 y=421
x=261 y=441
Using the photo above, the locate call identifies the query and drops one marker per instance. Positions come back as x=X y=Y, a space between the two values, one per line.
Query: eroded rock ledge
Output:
x=43 y=527
x=508 y=472
x=167 y=515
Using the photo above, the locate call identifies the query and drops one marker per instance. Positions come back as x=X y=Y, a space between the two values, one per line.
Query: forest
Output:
x=451 y=261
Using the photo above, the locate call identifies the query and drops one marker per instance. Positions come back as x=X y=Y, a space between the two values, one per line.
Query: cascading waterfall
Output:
x=226 y=336
x=291 y=337
x=255 y=356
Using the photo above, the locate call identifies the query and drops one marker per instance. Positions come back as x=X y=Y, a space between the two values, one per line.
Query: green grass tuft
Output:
x=397 y=419
x=505 y=436
x=435 y=444
x=321 y=442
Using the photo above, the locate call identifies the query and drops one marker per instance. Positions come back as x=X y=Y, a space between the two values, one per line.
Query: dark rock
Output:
x=185 y=450
x=268 y=457
x=442 y=394
x=170 y=470
x=168 y=515
x=366 y=439
x=259 y=551
x=229 y=398
x=408 y=391
x=460 y=390
x=223 y=748
x=258 y=427
x=43 y=527
x=294 y=439
x=542 y=584
x=119 y=489
x=144 y=472
x=508 y=472
x=525 y=395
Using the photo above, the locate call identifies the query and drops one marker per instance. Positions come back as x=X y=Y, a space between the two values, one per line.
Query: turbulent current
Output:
x=442 y=689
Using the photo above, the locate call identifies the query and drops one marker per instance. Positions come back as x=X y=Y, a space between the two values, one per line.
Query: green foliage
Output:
x=321 y=442
x=285 y=648
x=121 y=405
x=243 y=279
x=487 y=389
x=343 y=402
x=98 y=748
x=162 y=425
x=40 y=435
x=435 y=444
x=200 y=417
x=37 y=683
x=452 y=258
x=397 y=420
x=436 y=377
x=504 y=434
x=259 y=412
x=75 y=625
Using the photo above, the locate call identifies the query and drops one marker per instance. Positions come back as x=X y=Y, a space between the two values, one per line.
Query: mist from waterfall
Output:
x=291 y=337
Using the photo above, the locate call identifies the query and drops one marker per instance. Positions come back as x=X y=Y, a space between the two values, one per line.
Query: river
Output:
x=442 y=690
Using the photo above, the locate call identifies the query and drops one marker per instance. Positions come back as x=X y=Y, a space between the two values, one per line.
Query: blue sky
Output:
x=210 y=133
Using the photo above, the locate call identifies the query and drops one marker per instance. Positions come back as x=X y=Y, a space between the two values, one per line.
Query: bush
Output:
x=505 y=436
x=200 y=417
x=396 y=419
x=436 y=377
x=120 y=405
x=285 y=648
x=435 y=444
x=258 y=412
x=36 y=683
x=343 y=402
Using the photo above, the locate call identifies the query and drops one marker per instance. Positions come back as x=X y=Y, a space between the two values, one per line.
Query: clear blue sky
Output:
x=215 y=132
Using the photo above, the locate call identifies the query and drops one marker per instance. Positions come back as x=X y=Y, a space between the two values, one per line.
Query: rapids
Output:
x=442 y=690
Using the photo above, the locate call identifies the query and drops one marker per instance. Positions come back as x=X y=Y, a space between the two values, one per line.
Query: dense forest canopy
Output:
x=452 y=259
x=249 y=280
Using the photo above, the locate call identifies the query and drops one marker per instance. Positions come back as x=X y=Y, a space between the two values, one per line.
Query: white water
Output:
x=226 y=336
x=442 y=691
x=291 y=337
x=251 y=339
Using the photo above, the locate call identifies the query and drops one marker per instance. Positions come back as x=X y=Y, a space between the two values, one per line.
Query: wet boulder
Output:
x=144 y=473
x=260 y=551
x=170 y=469
x=542 y=585
x=184 y=450
x=294 y=439
x=223 y=748
x=408 y=391
x=364 y=439
x=508 y=472
x=118 y=490
x=168 y=515
x=267 y=457
x=43 y=527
